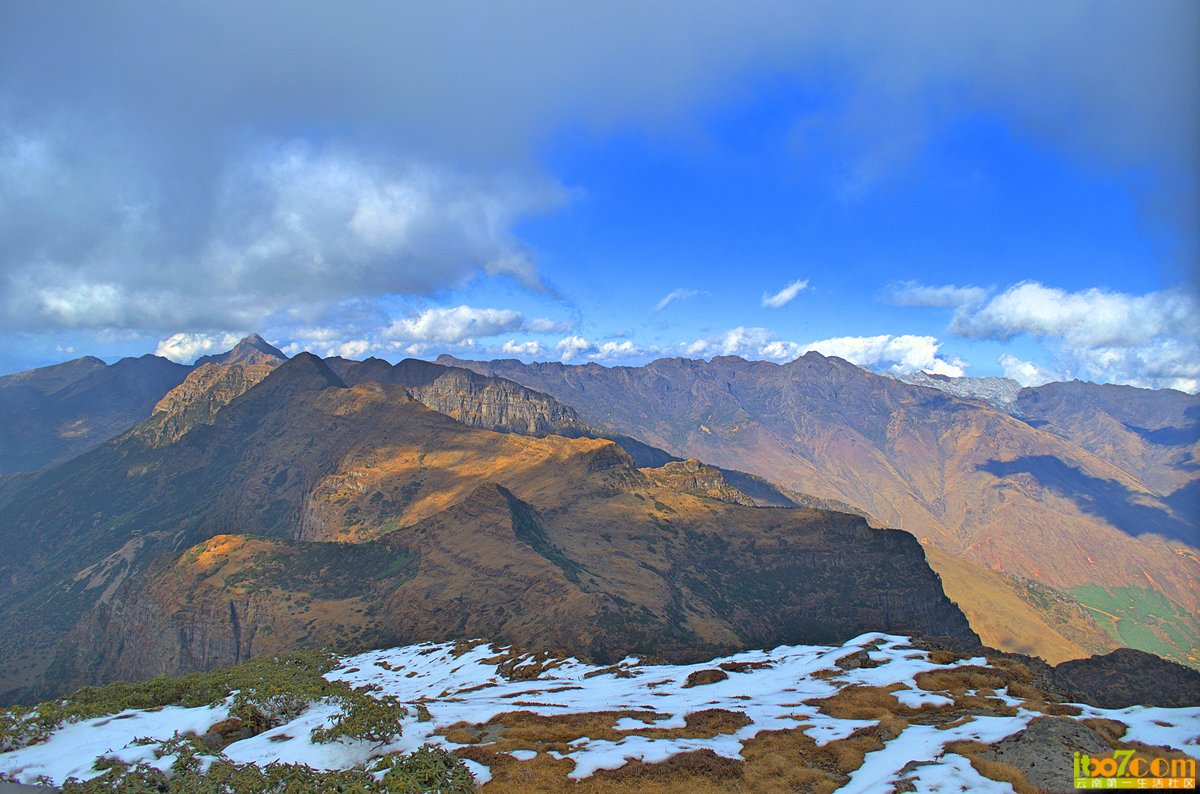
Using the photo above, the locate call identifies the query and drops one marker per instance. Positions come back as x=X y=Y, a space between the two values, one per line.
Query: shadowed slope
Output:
x=51 y=414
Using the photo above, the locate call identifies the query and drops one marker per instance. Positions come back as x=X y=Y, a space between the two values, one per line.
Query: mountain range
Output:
x=677 y=510
x=1062 y=527
x=306 y=511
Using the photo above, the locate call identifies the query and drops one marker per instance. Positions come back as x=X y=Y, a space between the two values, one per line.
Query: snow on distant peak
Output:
x=997 y=392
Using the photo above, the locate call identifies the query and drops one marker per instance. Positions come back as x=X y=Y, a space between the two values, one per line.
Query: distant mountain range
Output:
x=1062 y=526
x=259 y=503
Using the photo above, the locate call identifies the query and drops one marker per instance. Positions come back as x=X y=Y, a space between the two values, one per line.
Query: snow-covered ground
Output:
x=468 y=687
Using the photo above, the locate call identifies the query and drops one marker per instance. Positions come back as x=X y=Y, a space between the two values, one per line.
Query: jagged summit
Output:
x=253 y=349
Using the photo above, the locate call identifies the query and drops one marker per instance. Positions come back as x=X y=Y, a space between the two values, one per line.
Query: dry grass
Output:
x=1110 y=731
x=1037 y=700
x=859 y=702
x=993 y=770
x=945 y=657
x=700 y=725
x=961 y=679
x=1016 y=671
x=742 y=667
x=702 y=677
x=775 y=761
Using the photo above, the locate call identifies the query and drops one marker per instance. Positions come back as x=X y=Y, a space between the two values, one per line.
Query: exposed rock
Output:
x=196 y=401
x=996 y=392
x=1045 y=751
x=251 y=350
x=1128 y=677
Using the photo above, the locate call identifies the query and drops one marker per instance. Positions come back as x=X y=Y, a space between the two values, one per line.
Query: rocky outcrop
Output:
x=253 y=349
x=196 y=401
x=1128 y=677
x=693 y=477
x=470 y=398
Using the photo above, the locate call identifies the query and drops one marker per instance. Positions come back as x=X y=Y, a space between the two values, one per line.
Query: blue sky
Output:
x=949 y=187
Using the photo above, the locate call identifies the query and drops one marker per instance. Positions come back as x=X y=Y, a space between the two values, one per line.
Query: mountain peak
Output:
x=253 y=349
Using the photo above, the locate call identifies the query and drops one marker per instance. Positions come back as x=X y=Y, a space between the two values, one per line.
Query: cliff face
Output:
x=221 y=545
x=196 y=401
x=470 y=398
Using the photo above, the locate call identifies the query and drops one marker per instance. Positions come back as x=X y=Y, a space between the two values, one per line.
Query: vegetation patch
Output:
x=428 y=769
x=702 y=677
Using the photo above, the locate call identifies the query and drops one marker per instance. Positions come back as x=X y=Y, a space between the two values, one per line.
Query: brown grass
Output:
x=858 y=702
x=1110 y=731
x=945 y=657
x=741 y=667
x=700 y=725
x=994 y=770
x=962 y=678
x=702 y=677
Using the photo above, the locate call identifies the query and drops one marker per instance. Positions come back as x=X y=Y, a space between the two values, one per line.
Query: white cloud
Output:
x=677 y=295
x=353 y=349
x=1162 y=364
x=455 y=325
x=785 y=295
x=531 y=349
x=1088 y=318
x=571 y=347
x=741 y=341
x=285 y=228
x=608 y=351
x=1026 y=373
x=902 y=354
x=186 y=348
x=781 y=351
x=910 y=293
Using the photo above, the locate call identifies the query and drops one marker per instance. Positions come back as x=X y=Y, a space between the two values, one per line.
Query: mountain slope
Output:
x=51 y=414
x=979 y=484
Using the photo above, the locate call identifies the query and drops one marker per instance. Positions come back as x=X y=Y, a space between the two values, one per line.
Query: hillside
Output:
x=231 y=542
x=985 y=487
x=52 y=414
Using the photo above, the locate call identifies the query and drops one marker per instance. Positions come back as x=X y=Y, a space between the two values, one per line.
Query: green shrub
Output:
x=267 y=691
x=429 y=770
x=363 y=717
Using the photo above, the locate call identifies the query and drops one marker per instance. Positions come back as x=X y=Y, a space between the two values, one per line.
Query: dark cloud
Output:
x=171 y=166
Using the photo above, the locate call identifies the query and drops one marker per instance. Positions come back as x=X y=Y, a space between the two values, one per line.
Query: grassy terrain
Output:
x=1144 y=619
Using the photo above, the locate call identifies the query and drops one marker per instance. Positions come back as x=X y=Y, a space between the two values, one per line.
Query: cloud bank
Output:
x=155 y=186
